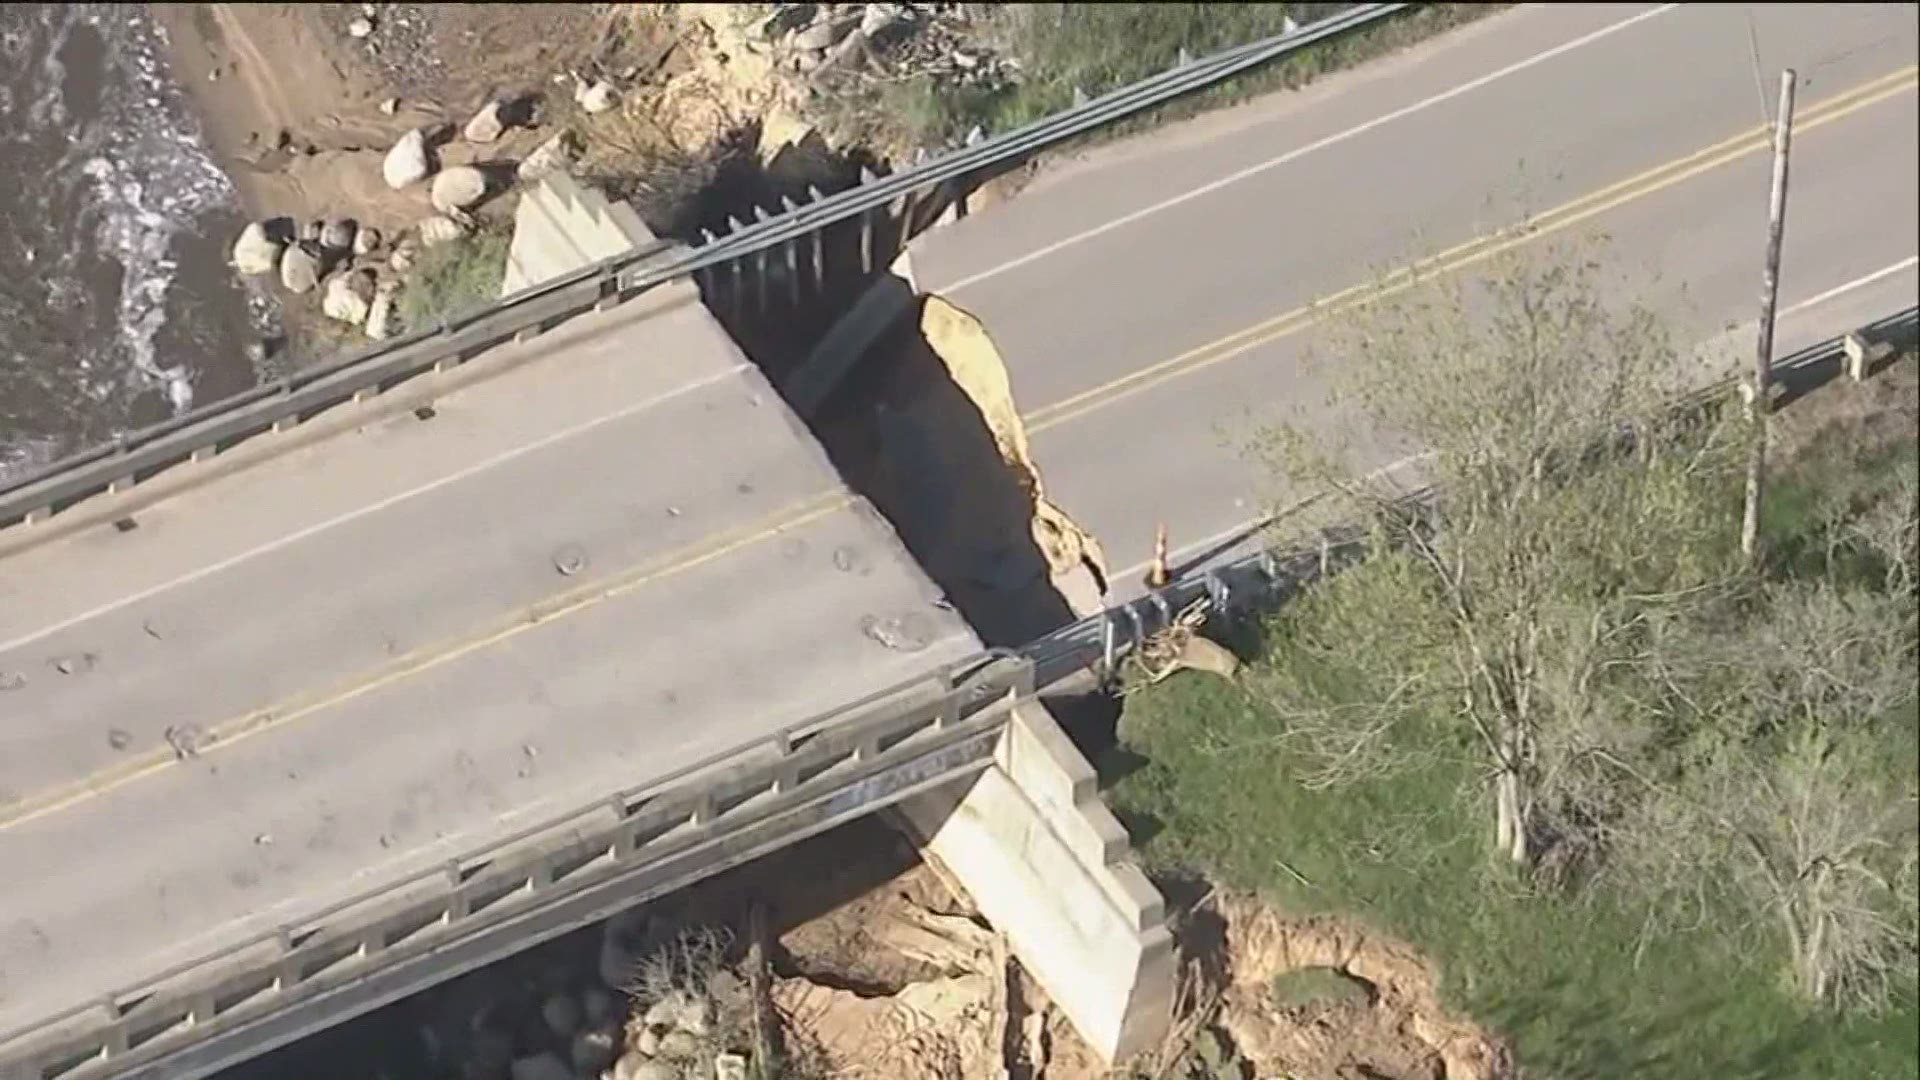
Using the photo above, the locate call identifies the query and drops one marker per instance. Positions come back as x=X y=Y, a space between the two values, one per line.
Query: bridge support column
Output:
x=1049 y=866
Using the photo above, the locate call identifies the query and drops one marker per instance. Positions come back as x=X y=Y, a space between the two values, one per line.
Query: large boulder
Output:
x=407 y=162
x=365 y=240
x=337 y=235
x=255 y=252
x=596 y=96
x=554 y=154
x=486 y=125
x=381 y=318
x=458 y=187
x=827 y=29
x=405 y=253
x=349 y=297
x=299 y=268
x=440 y=229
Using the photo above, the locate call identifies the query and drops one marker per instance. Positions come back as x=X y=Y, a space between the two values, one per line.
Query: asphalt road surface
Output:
x=1147 y=299
x=611 y=555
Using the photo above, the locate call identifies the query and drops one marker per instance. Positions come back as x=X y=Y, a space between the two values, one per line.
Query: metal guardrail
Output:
x=1104 y=641
x=275 y=405
x=731 y=808
x=543 y=881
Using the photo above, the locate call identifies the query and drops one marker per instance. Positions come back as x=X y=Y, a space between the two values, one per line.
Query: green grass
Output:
x=1100 y=47
x=1560 y=979
x=455 y=277
x=1311 y=986
x=1204 y=780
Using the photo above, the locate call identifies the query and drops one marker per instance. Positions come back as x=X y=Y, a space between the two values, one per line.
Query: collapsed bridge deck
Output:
x=337 y=655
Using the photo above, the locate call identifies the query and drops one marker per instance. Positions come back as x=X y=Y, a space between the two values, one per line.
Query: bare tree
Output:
x=1575 y=516
x=1796 y=799
x=1889 y=530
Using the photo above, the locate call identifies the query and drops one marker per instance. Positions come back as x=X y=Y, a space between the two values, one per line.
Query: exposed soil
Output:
x=1264 y=994
x=292 y=102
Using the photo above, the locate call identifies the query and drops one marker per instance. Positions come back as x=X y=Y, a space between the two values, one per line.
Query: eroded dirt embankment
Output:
x=961 y=342
x=928 y=427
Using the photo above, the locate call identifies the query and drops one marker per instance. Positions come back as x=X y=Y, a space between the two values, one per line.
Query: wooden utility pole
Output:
x=1759 y=399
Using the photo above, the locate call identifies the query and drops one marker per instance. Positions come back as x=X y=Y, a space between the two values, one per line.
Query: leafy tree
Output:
x=1575 y=518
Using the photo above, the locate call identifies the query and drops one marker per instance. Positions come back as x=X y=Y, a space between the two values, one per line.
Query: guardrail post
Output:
x=760 y=261
x=866 y=242
x=1107 y=635
x=900 y=211
x=609 y=298
x=734 y=225
x=1160 y=604
x=540 y=876
x=287 y=972
x=446 y=363
x=786 y=779
x=819 y=253
x=458 y=903
x=1217 y=587
x=1139 y=626
x=622 y=845
x=866 y=226
x=115 y=1041
x=792 y=250
x=948 y=713
x=705 y=277
x=1862 y=354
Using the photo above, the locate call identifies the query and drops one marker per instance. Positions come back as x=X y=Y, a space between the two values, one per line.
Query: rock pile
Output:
x=317 y=255
x=345 y=261
x=880 y=42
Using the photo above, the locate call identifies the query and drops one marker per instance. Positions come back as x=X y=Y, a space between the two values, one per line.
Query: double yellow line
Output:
x=1473 y=251
x=559 y=606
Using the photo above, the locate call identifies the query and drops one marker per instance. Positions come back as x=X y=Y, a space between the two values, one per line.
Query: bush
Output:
x=452 y=278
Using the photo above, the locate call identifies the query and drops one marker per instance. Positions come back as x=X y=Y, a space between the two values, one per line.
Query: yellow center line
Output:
x=541 y=612
x=1476 y=250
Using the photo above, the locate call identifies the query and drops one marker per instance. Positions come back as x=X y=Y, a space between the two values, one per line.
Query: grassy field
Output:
x=1095 y=48
x=1204 y=779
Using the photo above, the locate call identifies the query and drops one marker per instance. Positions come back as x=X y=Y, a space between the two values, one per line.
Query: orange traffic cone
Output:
x=1157 y=572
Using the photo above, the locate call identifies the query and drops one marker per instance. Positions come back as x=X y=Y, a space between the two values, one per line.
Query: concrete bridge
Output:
x=474 y=641
x=356 y=706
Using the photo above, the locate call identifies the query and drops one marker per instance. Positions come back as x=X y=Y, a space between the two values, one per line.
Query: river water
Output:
x=116 y=304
